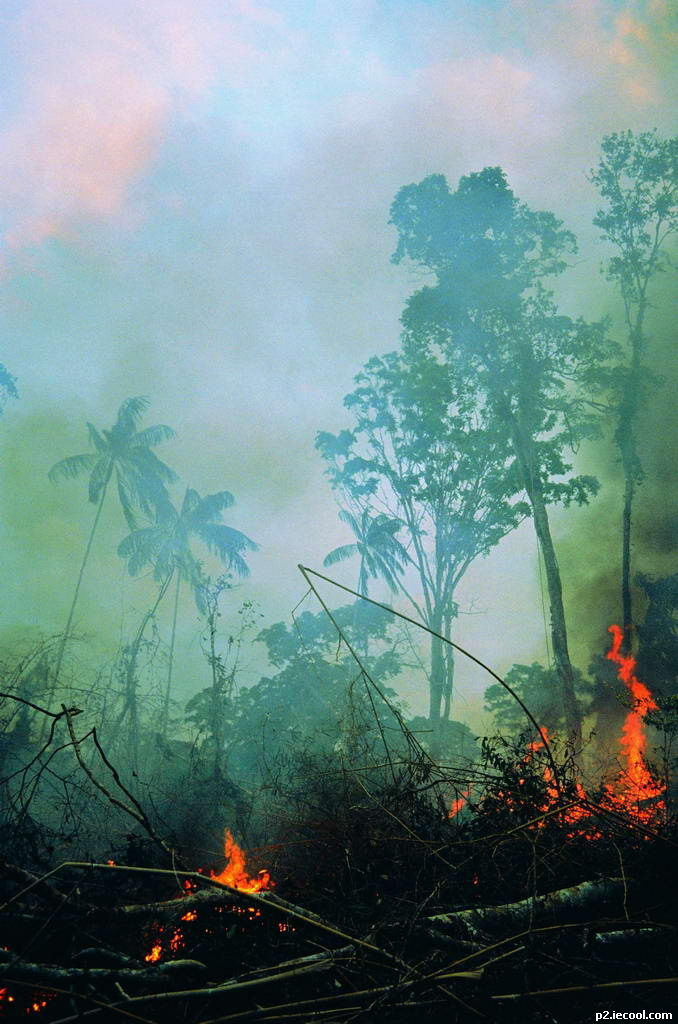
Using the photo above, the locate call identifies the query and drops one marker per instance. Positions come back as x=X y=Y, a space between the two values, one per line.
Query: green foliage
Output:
x=316 y=696
x=637 y=176
x=452 y=741
x=425 y=451
x=495 y=322
x=381 y=553
x=537 y=687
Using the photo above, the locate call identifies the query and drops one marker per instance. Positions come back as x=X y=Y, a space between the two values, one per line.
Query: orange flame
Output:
x=635 y=784
x=458 y=804
x=235 y=873
x=634 y=792
x=165 y=943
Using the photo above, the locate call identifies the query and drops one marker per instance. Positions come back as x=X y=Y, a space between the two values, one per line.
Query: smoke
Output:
x=589 y=541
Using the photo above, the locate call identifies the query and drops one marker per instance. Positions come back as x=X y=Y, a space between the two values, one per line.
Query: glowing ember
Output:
x=155 y=955
x=235 y=873
x=458 y=804
x=171 y=941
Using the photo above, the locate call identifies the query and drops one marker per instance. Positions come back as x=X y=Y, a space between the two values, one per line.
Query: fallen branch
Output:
x=587 y=896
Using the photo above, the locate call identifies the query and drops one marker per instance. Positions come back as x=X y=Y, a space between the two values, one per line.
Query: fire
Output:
x=155 y=955
x=635 y=783
x=634 y=792
x=166 y=942
x=458 y=804
x=235 y=873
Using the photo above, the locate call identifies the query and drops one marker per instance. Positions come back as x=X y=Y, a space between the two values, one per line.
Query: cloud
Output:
x=99 y=84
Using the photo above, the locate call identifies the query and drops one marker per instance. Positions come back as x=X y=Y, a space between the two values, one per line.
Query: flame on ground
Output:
x=634 y=792
x=634 y=785
x=235 y=872
x=170 y=941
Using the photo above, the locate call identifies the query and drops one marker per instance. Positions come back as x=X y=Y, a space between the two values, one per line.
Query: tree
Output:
x=537 y=687
x=489 y=315
x=124 y=451
x=166 y=545
x=381 y=553
x=316 y=700
x=424 y=453
x=637 y=176
x=7 y=386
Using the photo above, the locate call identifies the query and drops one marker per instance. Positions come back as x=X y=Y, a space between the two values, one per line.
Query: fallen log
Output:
x=12 y=968
x=587 y=899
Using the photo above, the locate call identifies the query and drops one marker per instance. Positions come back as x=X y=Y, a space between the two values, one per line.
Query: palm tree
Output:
x=381 y=553
x=124 y=451
x=167 y=547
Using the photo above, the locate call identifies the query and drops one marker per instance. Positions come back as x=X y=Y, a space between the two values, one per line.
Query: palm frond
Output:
x=151 y=436
x=73 y=466
x=226 y=543
x=148 y=464
x=95 y=438
x=190 y=503
x=340 y=554
x=99 y=477
x=128 y=497
x=140 y=548
x=129 y=414
x=212 y=505
x=347 y=516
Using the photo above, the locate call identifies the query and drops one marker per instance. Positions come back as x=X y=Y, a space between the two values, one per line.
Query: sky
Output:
x=194 y=207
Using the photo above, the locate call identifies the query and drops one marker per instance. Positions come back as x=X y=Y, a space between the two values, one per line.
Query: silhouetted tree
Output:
x=489 y=315
x=381 y=553
x=424 y=453
x=637 y=177
x=7 y=386
x=123 y=452
x=315 y=700
x=537 y=686
x=166 y=546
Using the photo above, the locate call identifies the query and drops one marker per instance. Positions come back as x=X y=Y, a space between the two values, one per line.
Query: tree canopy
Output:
x=489 y=315
x=425 y=454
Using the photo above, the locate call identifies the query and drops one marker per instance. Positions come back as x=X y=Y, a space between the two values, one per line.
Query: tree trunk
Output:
x=625 y=437
x=561 y=655
x=437 y=680
x=218 y=732
x=130 y=706
x=448 y=658
x=168 y=687
x=69 y=621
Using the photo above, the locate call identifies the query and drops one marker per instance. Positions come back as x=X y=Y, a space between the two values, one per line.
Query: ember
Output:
x=166 y=942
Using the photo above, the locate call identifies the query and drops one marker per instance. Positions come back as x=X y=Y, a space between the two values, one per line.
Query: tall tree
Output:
x=423 y=452
x=166 y=546
x=123 y=452
x=637 y=177
x=490 y=316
